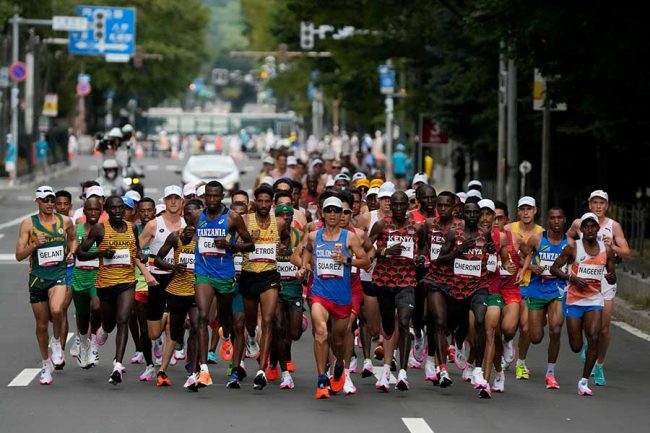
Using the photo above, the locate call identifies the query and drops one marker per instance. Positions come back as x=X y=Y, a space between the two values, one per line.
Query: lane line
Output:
x=378 y=371
x=632 y=330
x=417 y=425
x=170 y=167
x=151 y=167
x=15 y=221
x=25 y=377
x=2 y=235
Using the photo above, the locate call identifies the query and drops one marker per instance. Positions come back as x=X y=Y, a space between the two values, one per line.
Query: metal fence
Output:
x=633 y=220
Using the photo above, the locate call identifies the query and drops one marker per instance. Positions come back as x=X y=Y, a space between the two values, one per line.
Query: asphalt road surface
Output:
x=82 y=401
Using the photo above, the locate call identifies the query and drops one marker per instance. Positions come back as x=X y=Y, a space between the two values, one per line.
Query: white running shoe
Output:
x=419 y=348
x=287 y=381
x=499 y=382
x=75 y=347
x=179 y=354
x=485 y=392
x=252 y=347
x=149 y=374
x=173 y=361
x=348 y=386
x=137 y=358
x=430 y=372
x=353 y=364
x=93 y=357
x=445 y=379
x=402 y=381
x=467 y=374
x=413 y=363
x=116 y=375
x=460 y=356
x=83 y=356
x=383 y=383
x=367 y=368
x=46 y=373
x=508 y=351
x=58 y=358
x=190 y=383
x=478 y=379
x=157 y=361
x=583 y=388
x=158 y=347
x=102 y=336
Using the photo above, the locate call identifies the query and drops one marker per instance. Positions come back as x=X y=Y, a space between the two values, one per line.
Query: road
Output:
x=83 y=401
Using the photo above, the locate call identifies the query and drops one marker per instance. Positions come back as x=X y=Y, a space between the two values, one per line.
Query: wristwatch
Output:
x=349 y=260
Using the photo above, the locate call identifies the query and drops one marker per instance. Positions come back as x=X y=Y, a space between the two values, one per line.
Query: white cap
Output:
x=599 y=193
x=315 y=162
x=200 y=191
x=292 y=160
x=372 y=191
x=115 y=133
x=386 y=190
x=345 y=170
x=269 y=160
x=358 y=175
x=589 y=216
x=420 y=177
x=486 y=203
x=267 y=180
x=410 y=193
x=342 y=176
x=110 y=163
x=333 y=201
x=329 y=183
x=474 y=182
x=133 y=195
x=526 y=201
x=462 y=196
x=95 y=190
x=44 y=191
x=173 y=190
x=474 y=193
x=160 y=207
x=189 y=189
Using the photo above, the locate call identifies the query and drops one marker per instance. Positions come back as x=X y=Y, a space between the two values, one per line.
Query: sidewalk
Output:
x=30 y=181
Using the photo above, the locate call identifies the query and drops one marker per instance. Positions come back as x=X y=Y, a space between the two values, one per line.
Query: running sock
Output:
x=204 y=368
x=521 y=362
x=550 y=370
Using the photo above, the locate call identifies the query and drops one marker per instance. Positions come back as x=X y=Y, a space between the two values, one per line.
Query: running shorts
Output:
x=253 y=284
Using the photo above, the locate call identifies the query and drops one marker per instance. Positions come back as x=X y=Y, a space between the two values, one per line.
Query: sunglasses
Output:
x=48 y=199
x=332 y=209
x=336 y=167
x=347 y=211
x=413 y=201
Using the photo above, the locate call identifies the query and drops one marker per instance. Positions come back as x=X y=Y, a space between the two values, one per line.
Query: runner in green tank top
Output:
x=48 y=239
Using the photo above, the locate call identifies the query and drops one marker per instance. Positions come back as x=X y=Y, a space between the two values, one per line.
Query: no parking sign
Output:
x=18 y=71
x=83 y=89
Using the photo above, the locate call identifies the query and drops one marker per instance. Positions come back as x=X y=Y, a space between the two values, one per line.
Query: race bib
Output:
x=367 y=275
x=328 y=268
x=208 y=248
x=264 y=253
x=238 y=260
x=590 y=272
x=87 y=265
x=435 y=251
x=51 y=256
x=287 y=270
x=492 y=263
x=503 y=271
x=187 y=259
x=122 y=257
x=467 y=268
x=407 y=251
x=169 y=258
x=546 y=266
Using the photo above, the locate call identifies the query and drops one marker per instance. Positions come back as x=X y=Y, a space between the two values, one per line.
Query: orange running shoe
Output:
x=163 y=379
x=291 y=368
x=272 y=374
x=336 y=385
x=322 y=394
x=204 y=380
x=226 y=349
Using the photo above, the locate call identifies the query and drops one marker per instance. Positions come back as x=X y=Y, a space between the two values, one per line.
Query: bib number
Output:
x=122 y=257
x=492 y=263
x=287 y=270
x=435 y=251
x=328 y=268
x=51 y=256
x=208 y=248
x=87 y=265
x=238 y=260
x=264 y=253
x=188 y=260
x=467 y=268
x=591 y=272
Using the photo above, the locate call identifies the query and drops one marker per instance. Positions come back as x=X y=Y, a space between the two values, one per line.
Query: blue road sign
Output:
x=386 y=79
x=110 y=31
x=83 y=78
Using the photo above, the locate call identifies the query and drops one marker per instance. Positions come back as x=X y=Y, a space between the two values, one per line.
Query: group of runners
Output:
x=416 y=279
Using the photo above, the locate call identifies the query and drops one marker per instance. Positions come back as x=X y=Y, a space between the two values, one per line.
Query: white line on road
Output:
x=25 y=377
x=15 y=221
x=632 y=330
x=417 y=425
x=2 y=235
x=152 y=167
x=378 y=371
x=170 y=167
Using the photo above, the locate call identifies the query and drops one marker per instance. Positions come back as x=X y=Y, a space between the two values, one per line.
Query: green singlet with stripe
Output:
x=48 y=260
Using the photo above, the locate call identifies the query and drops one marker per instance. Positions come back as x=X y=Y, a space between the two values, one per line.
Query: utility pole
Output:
x=15 y=92
x=546 y=146
x=513 y=146
x=501 y=135
x=388 y=102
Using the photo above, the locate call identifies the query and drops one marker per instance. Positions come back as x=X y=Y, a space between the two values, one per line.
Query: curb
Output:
x=632 y=315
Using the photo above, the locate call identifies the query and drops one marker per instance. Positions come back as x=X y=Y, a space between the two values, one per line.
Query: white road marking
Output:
x=15 y=221
x=378 y=371
x=632 y=330
x=417 y=425
x=150 y=191
x=152 y=167
x=9 y=258
x=170 y=167
x=25 y=377
x=2 y=235
x=92 y=168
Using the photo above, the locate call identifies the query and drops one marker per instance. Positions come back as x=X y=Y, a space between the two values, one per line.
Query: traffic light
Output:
x=306 y=35
x=99 y=25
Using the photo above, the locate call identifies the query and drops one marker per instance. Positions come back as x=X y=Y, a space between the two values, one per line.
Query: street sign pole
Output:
x=501 y=132
x=14 y=86
x=513 y=145
x=546 y=164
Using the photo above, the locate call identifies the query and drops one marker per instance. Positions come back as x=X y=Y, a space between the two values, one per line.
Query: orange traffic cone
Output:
x=174 y=154
x=139 y=152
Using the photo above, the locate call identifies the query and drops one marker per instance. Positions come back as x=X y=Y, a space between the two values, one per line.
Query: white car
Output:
x=207 y=167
